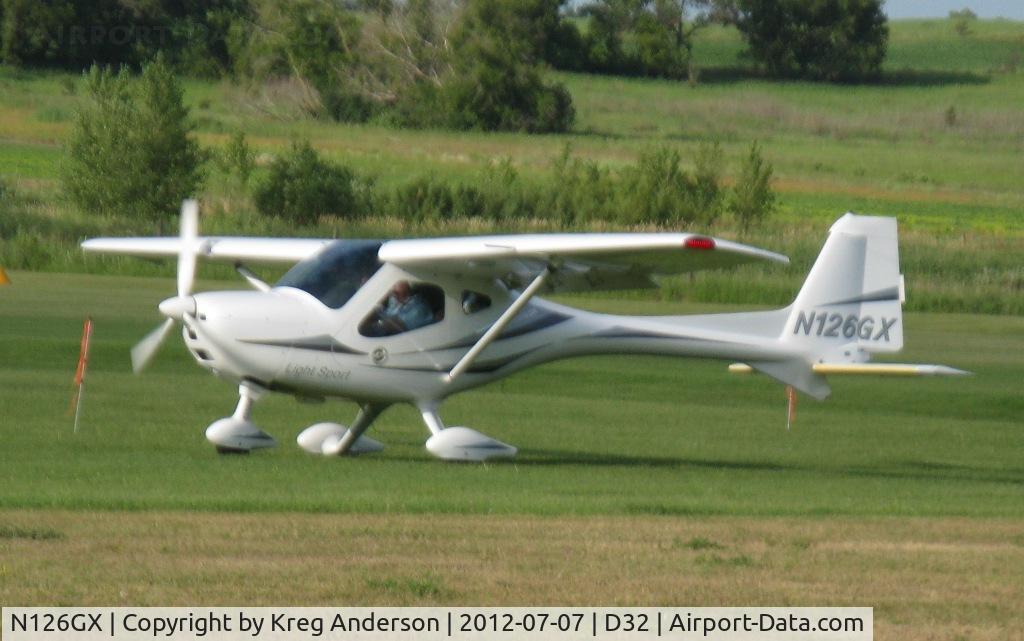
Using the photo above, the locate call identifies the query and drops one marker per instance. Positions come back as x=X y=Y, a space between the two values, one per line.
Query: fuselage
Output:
x=288 y=340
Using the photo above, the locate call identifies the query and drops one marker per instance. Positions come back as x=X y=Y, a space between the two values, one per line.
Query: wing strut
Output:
x=498 y=325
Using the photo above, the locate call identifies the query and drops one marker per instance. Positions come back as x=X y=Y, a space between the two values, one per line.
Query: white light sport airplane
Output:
x=415 y=321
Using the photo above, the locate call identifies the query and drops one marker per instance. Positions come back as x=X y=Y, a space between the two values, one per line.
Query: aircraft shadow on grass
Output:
x=900 y=470
x=897 y=470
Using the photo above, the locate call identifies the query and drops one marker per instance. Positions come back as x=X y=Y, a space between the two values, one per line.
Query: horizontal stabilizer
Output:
x=795 y=373
x=872 y=369
x=888 y=369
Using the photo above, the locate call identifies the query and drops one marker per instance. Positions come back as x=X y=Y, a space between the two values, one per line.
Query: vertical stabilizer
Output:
x=851 y=303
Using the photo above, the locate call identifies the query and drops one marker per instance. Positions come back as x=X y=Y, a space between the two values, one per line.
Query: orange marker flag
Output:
x=791 y=409
x=4 y=280
x=83 y=361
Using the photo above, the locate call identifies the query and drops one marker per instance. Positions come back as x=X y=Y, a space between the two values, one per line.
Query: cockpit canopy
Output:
x=336 y=272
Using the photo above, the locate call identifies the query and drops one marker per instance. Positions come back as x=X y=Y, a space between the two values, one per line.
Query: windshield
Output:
x=336 y=272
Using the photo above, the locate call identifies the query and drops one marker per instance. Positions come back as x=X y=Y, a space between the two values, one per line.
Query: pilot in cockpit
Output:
x=405 y=308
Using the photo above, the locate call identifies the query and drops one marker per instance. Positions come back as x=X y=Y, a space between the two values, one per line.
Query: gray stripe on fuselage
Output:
x=315 y=343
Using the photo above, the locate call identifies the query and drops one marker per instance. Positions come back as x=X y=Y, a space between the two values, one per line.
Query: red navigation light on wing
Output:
x=699 y=242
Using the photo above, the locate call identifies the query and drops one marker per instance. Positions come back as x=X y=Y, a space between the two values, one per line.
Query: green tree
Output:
x=658 y=51
x=752 y=198
x=818 y=39
x=962 y=21
x=302 y=186
x=312 y=41
x=76 y=33
x=496 y=81
x=639 y=37
x=130 y=150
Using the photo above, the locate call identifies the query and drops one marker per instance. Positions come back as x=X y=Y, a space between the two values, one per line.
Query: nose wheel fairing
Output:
x=236 y=434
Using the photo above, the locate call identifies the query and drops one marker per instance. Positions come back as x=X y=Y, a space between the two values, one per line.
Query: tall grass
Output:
x=979 y=273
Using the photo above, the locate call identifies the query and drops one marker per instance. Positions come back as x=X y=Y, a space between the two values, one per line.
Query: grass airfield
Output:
x=640 y=481
x=927 y=578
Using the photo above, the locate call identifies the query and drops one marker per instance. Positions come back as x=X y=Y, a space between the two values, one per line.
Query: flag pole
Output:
x=83 y=361
x=791 y=407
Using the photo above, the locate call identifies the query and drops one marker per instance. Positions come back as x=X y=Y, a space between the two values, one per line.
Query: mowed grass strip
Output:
x=926 y=578
x=609 y=435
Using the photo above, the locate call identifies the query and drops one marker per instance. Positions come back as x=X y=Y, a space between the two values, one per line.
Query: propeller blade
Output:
x=146 y=349
x=187 y=252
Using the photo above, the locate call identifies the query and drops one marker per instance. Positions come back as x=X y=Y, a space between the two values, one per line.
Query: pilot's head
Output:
x=402 y=290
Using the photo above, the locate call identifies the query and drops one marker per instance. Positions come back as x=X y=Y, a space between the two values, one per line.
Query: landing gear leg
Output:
x=332 y=439
x=236 y=434
x=460 y=443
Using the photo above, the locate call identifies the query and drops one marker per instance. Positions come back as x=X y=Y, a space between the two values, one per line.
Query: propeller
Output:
x=177 y=307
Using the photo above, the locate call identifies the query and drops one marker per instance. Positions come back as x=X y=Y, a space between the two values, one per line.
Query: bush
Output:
x=130 y=149
x=420 y=106
x=500 y=94
x=498 y=194
x=425 y=198
x=657 y=190
x=580 y=191
x=752 y=198
x=237 y=158
x=504 y=195
x=703 y=203
x=823 y=39
x=302 y=186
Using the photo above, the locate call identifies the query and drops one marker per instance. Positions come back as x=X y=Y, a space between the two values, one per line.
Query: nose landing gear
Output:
x=236 y=434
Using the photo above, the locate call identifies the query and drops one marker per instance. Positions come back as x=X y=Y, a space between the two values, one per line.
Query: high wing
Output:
x=227 y=249
x=591 y=261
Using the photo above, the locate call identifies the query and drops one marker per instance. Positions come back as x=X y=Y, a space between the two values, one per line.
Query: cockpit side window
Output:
x=335 y=273
x=405 y=308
